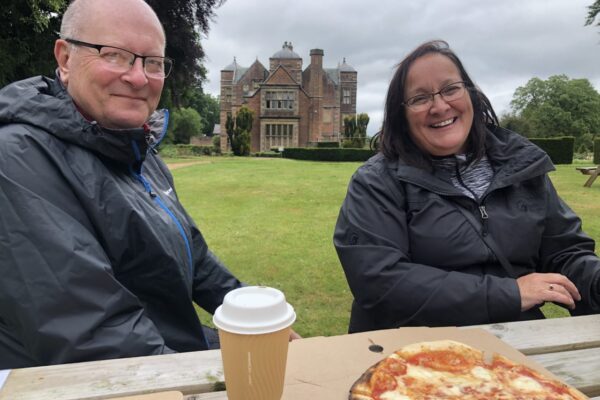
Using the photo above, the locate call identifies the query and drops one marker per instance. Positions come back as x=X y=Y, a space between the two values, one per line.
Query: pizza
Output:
x=447 y=369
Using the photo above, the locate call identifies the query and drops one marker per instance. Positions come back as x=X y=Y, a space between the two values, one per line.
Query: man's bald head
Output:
x=80 y=13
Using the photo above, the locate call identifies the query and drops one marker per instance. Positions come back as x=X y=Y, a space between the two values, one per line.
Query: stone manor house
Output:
x=292 y=107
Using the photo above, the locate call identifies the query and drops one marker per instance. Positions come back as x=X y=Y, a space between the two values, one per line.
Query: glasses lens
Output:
x=453 y=91
x=419 y=102
x=117 y=59
x=158 y=67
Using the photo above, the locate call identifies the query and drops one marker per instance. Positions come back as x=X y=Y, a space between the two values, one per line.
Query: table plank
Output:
x=578 y=368
x=557 y=334
x=195 y=372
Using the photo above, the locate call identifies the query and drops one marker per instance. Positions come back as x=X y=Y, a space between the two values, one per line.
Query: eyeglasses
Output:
x=121 y=60
x=422 y=102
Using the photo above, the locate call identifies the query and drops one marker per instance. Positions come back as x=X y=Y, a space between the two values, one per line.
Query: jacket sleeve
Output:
x=212 y=280
x=59 y=298
x=371 y=239
x=566 y=249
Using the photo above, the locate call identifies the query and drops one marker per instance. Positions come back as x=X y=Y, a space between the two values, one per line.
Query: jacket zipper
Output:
x=166 y=209
x=482 y=211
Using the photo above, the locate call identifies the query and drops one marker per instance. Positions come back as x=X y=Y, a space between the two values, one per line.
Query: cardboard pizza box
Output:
x=326 y=367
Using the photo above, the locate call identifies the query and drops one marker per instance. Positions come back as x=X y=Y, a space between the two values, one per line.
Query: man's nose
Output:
x=136 y=75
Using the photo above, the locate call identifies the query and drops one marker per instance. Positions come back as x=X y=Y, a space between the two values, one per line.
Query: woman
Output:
x=455 y=221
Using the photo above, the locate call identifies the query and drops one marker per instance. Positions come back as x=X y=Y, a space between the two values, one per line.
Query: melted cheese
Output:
x=526 y=384
x=482 y=373
x=393 y=396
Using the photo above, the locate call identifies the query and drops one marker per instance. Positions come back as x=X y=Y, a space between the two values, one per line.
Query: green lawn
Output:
x=271 y=221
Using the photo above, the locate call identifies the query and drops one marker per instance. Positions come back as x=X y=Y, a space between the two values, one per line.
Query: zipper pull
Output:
x=484 y=219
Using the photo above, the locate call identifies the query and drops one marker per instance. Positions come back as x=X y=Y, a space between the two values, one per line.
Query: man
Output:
x=97 y=256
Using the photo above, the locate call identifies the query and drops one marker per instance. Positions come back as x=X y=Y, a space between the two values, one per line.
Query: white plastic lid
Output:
x=254 y=310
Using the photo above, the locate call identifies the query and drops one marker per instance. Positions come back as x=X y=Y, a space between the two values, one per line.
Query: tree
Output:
x=355 y=130
x=184 y=22
x=238 y=132
x=558 y=106
x=28 y=30
x=207 y=106
x=185 y=123
x=594 y=9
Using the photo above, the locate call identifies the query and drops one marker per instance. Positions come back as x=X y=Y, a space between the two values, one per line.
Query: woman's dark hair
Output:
x=395 y=140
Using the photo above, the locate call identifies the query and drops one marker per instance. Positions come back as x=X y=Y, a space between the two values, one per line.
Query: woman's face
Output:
x=443 y=127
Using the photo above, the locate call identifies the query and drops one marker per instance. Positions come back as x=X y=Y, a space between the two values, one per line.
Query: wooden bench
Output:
x=592 y=171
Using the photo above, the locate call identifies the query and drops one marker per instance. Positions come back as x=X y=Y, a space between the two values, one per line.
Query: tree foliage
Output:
x=355 y=130
x=185 y=123
x=558 y=106
x=238 y=131
x=593 y=11
x=28 y=29
x=184 y=22
x=207 y=106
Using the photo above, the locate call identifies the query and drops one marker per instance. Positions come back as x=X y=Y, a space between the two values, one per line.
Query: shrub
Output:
x=268 y=154
x=185 y=123
x=597 y=151
x=184 y=150
x=560 y=149
x=325 y=154
x=216 y=142
x=328 y=144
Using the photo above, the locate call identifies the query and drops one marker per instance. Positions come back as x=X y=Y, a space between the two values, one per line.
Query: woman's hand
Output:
x=536 y=288
x=294 y=335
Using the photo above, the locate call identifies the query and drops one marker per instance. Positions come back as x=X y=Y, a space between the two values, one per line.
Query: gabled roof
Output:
x=282 y=73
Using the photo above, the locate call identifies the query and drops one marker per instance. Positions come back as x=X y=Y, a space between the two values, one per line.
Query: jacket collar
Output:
x=45 y=103
x=513 y=158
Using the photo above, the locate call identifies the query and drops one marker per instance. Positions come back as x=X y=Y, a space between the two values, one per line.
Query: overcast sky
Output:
x=502 y=43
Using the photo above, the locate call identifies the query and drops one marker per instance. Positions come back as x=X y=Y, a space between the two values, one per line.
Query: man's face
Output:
x=113 y=99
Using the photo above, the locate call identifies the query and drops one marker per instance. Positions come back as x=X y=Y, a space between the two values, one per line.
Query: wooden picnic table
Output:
x=592 y=172
x=567 y=347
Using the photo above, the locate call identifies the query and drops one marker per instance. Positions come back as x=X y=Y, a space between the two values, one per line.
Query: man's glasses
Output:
x=121 y=60
x=422 y=102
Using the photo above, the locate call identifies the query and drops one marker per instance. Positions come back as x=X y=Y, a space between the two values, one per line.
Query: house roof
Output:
x=287 y=51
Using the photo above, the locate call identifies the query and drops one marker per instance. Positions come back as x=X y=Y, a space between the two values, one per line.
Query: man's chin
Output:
x=124 y=121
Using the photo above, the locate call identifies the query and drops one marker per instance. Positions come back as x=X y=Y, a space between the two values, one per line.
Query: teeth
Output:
x=443 y=123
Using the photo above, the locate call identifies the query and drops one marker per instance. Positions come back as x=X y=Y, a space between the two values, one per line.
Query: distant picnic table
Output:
x=592 y=172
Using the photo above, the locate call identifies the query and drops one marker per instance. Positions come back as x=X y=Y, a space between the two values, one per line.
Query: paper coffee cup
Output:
x=254 y=324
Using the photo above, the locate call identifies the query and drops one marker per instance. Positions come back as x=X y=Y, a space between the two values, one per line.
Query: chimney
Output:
x=316 y=58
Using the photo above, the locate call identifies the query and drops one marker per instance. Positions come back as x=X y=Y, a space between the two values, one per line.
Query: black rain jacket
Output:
x=98 y=259
x=411 y=258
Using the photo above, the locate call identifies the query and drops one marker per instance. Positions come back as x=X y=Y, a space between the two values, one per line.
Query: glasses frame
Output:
x=432 y=95
x=99 y=47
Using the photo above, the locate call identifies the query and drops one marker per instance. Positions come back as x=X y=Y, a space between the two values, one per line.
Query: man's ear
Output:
x=62 y=53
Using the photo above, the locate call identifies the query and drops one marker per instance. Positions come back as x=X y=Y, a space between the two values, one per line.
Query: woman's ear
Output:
x=62 y=53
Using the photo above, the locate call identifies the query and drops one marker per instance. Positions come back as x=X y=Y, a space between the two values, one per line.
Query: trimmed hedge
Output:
x=267 y=154
x=560 y=149
x=185 y=150
x=328 y=144
x=327 y=154
x=597 y=151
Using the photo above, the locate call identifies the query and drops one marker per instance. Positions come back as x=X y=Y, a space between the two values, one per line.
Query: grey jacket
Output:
x=411 y=257
x=98 y=258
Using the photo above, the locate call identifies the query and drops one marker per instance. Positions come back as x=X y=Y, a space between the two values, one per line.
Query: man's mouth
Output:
x=442 y=124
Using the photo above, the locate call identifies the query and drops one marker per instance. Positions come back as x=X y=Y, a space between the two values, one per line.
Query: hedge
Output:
x=185 y=150
x=597 y=151
x=560 y=149
x=327 y=154
x=328 y=144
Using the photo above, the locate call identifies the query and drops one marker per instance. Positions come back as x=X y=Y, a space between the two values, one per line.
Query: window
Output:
x=346 y=96
x=283 y=100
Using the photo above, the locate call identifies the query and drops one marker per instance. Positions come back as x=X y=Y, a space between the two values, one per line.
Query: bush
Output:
x=216 y=141
x=185 y=123
x=354 y=143
x=268 y=154
x=328 y=144
x=184 y=150
x=560 y=149
x=317 y=154
x=597 y=151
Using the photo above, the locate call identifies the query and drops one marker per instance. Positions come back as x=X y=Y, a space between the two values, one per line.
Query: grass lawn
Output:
x=271 y=221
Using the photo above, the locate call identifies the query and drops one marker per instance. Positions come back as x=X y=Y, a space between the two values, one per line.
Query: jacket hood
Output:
x=45 y=104
x=513 y=157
